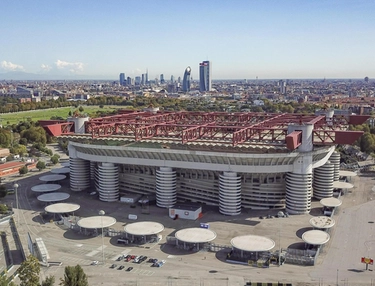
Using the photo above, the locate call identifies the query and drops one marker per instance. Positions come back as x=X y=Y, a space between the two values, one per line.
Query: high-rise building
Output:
x=186 y=80
x=143 y=79
x=146 y=79
x=122 y=79
x=282 y=86
x=162 y=79
x=205 y=76
x=129 y=81
x=172 y=79
x=137 y=80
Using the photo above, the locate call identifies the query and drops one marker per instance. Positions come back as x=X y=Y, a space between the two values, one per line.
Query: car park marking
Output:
x=76 y=260
x=143 y=272
x=125 y=252
x=92 y=253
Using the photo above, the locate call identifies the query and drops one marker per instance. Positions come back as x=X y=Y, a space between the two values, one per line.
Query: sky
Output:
x=243 y=39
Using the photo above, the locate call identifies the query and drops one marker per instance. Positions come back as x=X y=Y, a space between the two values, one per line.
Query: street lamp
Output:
x=102 y=213
x=11 y=138
x=15 y=186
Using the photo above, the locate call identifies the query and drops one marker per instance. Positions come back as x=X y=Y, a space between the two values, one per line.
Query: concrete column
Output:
x=107 y=182
x=230 y=194
x=335 y=160
x=299 y=182
x=92 y=170
x=79 y=174
x=166 y=190
x=323 y=181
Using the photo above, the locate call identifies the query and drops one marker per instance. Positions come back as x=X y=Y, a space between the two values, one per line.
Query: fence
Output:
x=300 y=257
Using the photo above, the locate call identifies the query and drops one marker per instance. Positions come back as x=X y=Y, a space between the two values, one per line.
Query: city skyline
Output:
x=245 y=39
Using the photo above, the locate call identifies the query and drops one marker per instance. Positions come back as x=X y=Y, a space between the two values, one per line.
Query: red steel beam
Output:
x=333 y=137
x=236 y=128
x=243 y=135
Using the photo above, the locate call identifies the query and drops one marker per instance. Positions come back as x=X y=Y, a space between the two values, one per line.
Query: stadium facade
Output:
x=230 y=160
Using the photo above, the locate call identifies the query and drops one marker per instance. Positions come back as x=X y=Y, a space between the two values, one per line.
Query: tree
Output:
x=54 y=159
x=35 y=134
x=50 y=281
x=40 y=165
x=80 y=109
x=74 y=276
x=23 y=170
x=23 y=141
x=5 y=138
x=4 y=281
x=29 y=271
x=3 y=209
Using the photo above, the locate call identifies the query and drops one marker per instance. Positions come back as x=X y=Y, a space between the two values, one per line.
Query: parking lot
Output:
x=339 y=261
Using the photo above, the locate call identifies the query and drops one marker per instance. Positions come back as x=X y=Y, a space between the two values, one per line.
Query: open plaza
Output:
x=339 y=260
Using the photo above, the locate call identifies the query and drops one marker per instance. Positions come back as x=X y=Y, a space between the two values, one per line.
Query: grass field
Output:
x=45 y=114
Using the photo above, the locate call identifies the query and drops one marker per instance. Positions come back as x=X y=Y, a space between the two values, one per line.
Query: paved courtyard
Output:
x=351 y=238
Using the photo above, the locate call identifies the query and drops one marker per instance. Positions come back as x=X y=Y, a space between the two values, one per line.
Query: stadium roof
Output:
x=231 y=129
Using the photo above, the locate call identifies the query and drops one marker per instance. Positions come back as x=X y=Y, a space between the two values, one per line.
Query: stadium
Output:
x=233 y=161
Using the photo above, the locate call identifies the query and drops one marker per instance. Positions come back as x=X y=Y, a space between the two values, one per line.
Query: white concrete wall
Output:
x=185 y=213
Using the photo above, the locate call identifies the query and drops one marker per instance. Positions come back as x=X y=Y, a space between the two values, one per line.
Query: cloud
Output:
x=45 y=67
x=8 y=66
x=72 y=67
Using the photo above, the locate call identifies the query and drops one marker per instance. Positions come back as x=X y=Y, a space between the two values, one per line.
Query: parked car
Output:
x=113 y=266
x=121 y=267
x=119 y=258
x=129 y=269
x=95 y=262
x=160 y=263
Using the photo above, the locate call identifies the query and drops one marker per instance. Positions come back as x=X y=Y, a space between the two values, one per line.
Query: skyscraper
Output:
x=162 y=79
x=122 y=79
x=205 y=76
x=186 y=80
x=137 y=80
x=129 y=81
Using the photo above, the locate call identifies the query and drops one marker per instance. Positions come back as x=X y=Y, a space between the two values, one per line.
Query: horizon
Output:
x=213 y=80
x=242 y=39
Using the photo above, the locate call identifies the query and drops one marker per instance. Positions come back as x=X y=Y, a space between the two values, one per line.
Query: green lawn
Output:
x=45 y=114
